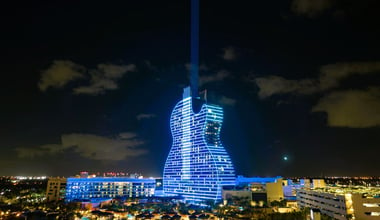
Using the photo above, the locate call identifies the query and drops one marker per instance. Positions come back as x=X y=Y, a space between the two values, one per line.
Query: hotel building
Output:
x=197 y=166
x=100 y=188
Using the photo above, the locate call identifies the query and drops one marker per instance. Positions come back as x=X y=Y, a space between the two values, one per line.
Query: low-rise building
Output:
x=361 y=203
x=319 y=183
x=100 y=188
x=232 y=193
x=259 y=190
x=275 y=191
x=56 y=188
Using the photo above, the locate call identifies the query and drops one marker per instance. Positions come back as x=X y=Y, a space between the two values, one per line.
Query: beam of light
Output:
x=194 y=56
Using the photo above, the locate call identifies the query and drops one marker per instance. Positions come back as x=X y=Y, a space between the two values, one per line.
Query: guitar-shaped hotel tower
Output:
x=197 y=166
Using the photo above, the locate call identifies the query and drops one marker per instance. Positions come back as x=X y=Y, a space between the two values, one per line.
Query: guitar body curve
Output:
x=197 y=166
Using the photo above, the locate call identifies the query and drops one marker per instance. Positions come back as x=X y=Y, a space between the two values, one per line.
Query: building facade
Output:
x=275 y=191
x=319 y=183
x=260 y=190
x=362 y=203
x=197 y=166
x=99 y=188
x=328 y=203
x=56 y=188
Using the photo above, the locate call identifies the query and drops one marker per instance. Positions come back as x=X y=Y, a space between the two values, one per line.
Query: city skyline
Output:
x=91 y=86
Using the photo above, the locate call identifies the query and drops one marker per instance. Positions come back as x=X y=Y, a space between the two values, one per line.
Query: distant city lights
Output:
x=30 y=177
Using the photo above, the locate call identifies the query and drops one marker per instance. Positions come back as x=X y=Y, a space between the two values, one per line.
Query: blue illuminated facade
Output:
x=197 y=166
x=98 y=188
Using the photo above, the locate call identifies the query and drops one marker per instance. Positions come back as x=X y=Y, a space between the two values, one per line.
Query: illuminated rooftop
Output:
x=369 y=192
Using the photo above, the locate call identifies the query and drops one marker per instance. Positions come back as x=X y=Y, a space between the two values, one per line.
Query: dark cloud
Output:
x=98 y=86
x=101 y=79
x=310 y=8
x=278 y=85
x=219 y=76
x=42 y=150
x=145 y=116
x=127 y=135
x=329 y=78
x=352 y=108
x=112 y=71
x=60 y=73
x=332 y=74
x=230 y=53
x=90 y=146
x=104 y=78
x=227 y=101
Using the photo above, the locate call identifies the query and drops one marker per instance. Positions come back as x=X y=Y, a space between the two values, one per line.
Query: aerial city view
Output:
x=262 y=110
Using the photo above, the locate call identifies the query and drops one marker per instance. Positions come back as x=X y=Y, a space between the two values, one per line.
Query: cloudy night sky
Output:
x=90 y=86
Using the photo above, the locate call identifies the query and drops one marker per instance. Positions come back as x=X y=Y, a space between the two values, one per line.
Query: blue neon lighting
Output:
x=197 y=166
x=194 y=52
x=108 y=187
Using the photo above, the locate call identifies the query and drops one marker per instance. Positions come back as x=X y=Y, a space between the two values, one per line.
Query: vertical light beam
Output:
x=194 y=50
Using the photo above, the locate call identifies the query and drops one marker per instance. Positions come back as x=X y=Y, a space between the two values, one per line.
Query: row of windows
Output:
x=325 y=204
x=195 y=151
x=323 y=209
x=77 y=189
x=323 y=196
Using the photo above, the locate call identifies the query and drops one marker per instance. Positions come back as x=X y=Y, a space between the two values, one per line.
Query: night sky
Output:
x=90 y=86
